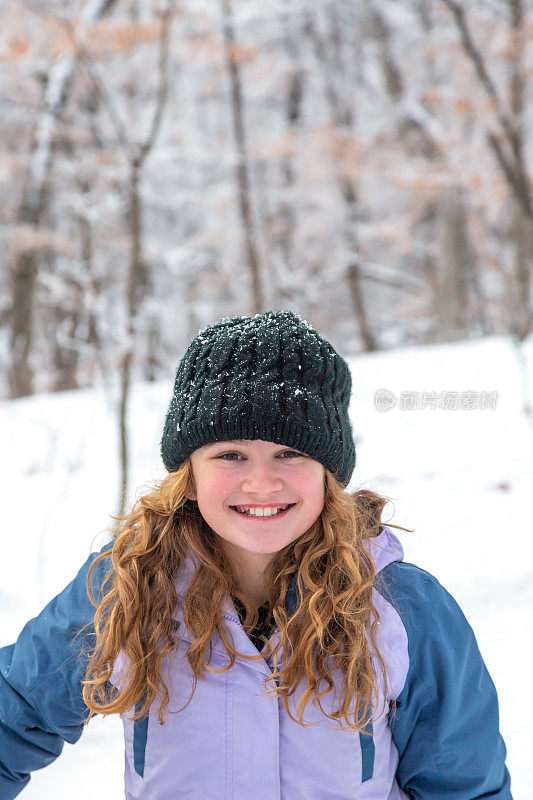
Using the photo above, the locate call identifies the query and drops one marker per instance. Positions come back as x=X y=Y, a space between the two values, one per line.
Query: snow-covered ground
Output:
x=461 y=478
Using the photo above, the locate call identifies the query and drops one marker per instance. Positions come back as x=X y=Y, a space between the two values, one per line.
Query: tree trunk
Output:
x=136 y=289
x=66 y=343
x=137 y=286
x=243 y=171
x=286 y=218
x=23 y=278
x=20 y=373
x=521 y=227
x=455 y=267
x=343 y=119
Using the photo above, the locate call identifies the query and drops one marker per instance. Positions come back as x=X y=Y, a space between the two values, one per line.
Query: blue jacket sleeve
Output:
x=41 y=705
x=446 y=723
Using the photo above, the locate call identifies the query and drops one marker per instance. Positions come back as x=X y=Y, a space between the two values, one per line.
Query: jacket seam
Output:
x=413 y=669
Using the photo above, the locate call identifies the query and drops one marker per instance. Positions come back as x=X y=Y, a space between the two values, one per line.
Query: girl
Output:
x=252 y=622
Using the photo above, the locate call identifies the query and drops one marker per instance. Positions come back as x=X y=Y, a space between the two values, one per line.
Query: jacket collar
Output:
x=383 y=549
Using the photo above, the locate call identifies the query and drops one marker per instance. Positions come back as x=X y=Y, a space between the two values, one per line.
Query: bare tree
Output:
x=136 y=154
x=285 y=219
x=412 y=131
x=453 y=276
x=506 y=140
x=342 y=117
x=456 y=258
x=34 y=200
x=242 y=156
x=522 y=222
x=137 y=277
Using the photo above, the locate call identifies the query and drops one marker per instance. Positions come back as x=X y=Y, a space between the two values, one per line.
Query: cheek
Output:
x=317 y=504
x=217 y=487
x=320 y=494
x=312 y=489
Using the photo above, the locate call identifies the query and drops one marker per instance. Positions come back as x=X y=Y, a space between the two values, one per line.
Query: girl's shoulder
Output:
x=436 y=644
x=421 y=616
x=415 y=593
x=418 y=596
x=404 y=583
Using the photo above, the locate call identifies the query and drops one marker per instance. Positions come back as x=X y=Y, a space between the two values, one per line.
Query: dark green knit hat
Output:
x=270 y=377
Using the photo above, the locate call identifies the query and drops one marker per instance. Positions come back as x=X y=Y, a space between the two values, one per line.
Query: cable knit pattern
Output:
x=269 y=377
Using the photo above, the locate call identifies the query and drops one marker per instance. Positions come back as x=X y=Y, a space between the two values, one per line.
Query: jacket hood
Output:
x=385 y=548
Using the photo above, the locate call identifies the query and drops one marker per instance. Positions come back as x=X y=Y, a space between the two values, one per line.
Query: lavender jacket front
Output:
x=233 y=742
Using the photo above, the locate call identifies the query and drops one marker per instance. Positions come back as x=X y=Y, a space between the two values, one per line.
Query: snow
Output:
x=461 y=478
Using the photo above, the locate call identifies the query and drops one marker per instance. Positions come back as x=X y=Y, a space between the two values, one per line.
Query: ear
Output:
x=191 y=496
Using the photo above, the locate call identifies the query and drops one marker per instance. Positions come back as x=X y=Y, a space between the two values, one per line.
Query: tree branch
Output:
x=514 y=176
x=162 y=91
x=513 y=168
x=481 y=69
x=88 y=64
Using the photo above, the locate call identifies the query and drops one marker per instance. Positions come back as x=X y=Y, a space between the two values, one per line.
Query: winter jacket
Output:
x=233 y=742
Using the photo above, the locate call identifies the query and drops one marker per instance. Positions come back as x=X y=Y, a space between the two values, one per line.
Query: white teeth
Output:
x=262 y=512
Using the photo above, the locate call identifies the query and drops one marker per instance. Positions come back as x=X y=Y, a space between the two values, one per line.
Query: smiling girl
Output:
x=252 y=621
x=259 y=497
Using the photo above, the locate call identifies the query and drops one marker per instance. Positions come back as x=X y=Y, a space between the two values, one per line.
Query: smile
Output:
x=261 y=515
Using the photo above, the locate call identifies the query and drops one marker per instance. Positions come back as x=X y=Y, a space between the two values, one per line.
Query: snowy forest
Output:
x=362 y=162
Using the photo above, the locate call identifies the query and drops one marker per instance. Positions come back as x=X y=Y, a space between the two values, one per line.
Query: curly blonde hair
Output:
x=333 y=625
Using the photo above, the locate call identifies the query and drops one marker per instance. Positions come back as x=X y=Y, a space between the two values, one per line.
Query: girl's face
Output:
x=255 y=473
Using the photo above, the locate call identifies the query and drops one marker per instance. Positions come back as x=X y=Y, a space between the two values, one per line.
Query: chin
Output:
x=265 y=548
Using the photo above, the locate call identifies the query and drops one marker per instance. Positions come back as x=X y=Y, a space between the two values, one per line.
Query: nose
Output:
x=261 y=480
